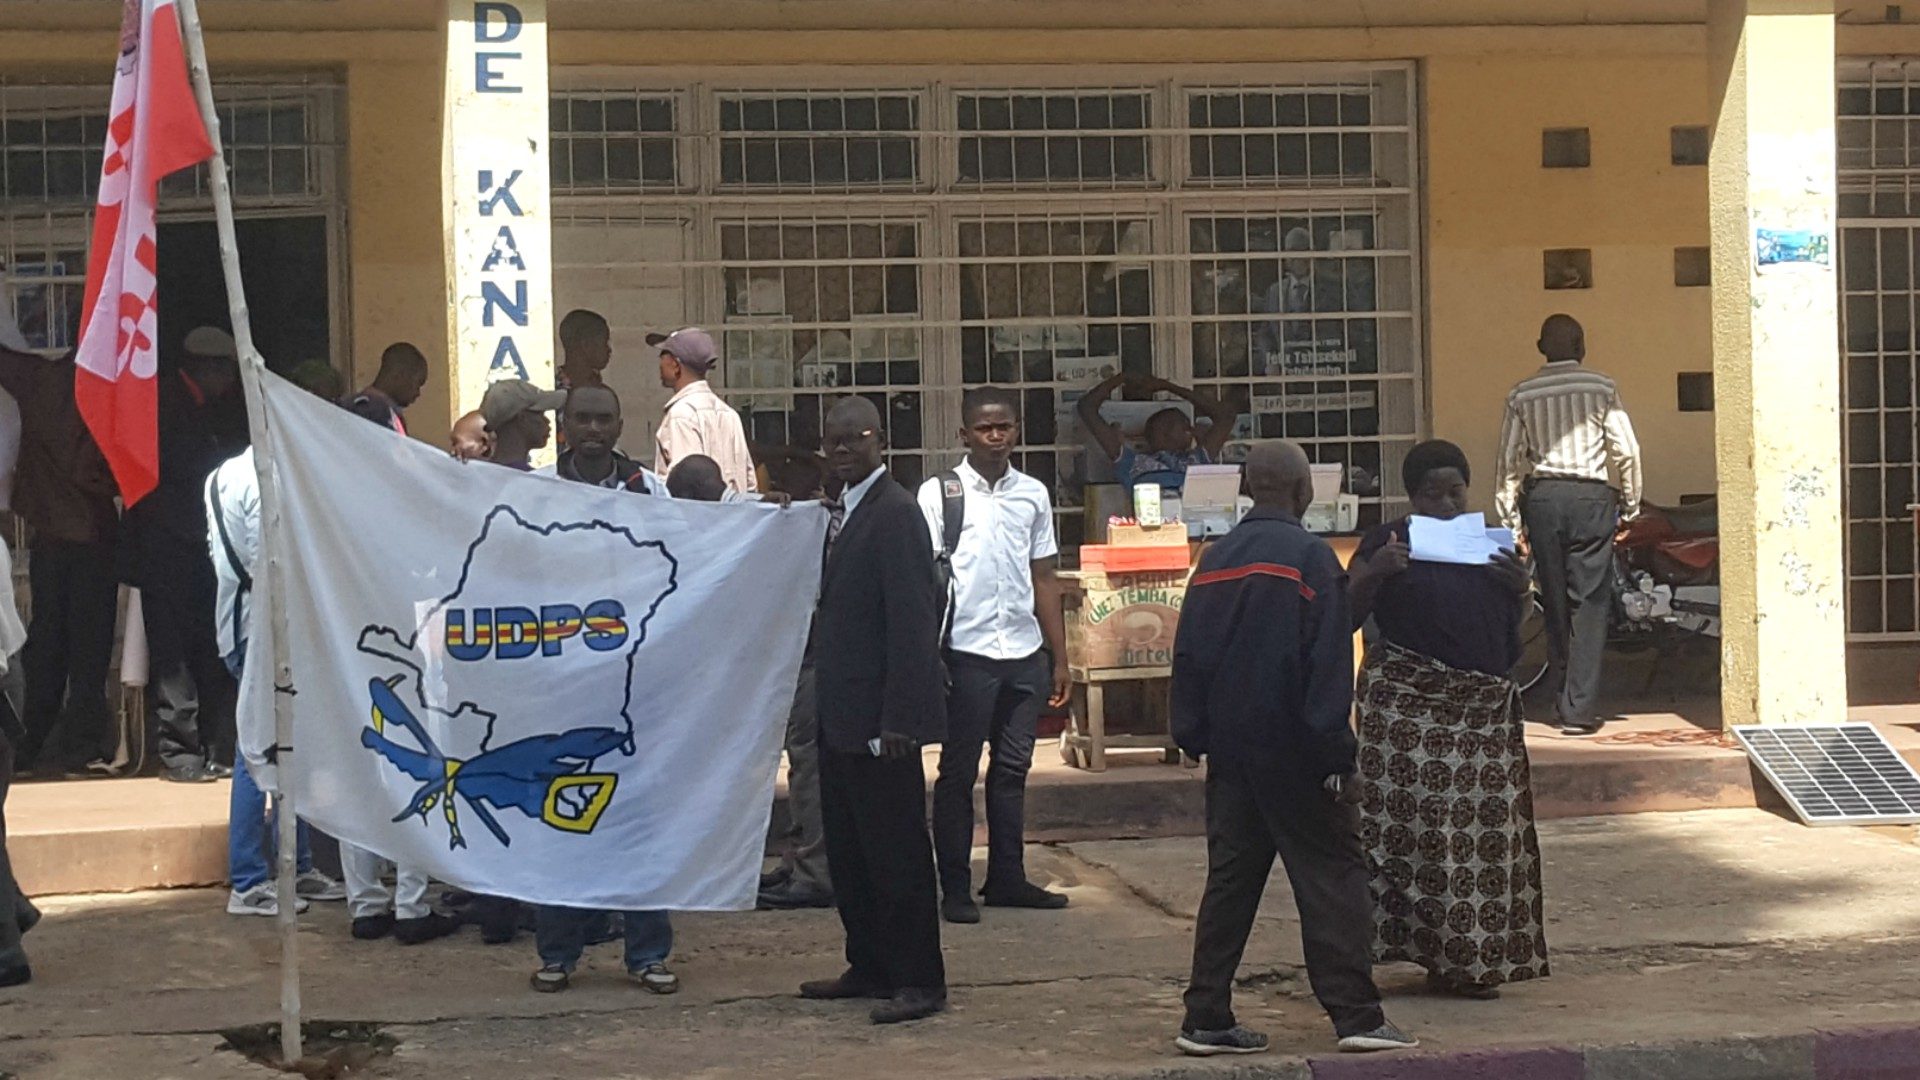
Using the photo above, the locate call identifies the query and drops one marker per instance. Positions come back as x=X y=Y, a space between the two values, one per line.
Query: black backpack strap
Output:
x=233 y=553
x=953 y=512
x=226 y=540
x=953 y=518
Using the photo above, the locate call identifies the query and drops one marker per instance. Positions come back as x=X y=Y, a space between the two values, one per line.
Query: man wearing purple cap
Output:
x=696 y=420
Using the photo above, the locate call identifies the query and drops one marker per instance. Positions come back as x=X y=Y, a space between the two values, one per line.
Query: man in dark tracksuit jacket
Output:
x=1263 y=686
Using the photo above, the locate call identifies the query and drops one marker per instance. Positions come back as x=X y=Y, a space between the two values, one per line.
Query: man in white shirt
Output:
x=1005 y=652
x=232 y=498
x=696 y=421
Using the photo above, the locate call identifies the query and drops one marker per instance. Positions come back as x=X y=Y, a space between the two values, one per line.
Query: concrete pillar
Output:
x=499 y=226
x=1776 y=362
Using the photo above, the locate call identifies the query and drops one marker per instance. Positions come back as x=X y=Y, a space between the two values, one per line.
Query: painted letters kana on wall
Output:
x=499 y=242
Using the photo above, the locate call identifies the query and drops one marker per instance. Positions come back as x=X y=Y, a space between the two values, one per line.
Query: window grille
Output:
x=282 y=153
x=1879 y=157
x=908 y=234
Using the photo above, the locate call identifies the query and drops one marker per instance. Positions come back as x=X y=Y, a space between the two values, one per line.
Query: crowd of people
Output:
x=1408 y=836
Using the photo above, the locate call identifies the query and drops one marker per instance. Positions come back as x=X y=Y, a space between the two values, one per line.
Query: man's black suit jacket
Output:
x=877 y=643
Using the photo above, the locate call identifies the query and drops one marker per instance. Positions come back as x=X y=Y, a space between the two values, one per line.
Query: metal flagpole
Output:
x=250 y=369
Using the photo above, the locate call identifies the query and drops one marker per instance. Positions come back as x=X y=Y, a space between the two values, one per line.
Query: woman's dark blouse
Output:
x=1462 y=616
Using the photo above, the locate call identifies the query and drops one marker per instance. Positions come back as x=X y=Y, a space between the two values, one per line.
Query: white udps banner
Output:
x=524 y=686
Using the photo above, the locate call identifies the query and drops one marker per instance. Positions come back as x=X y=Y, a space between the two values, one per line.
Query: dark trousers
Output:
x=1570 y=526
x=992 y=703
x=193 y=693
x=69 y=649
x=806 y=851
x=561 y=934
x=875 y=813
x=1250 y=818
x=16 y=913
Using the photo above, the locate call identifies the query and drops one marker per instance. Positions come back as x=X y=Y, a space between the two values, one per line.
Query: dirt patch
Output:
x=333 y=1049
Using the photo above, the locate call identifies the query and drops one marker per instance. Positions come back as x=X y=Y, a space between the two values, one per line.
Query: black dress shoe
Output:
x=372 y=927
x=788 y=898
x=775 y=879
x=1581 y=728
x=960 y=909
x=1024 y=895
x=913 y=1003
x=217 y=771
x=18 y=975
x=194 y=772
x=499 y=920
x=845 y=988
x=428 y=927
x=25 y=915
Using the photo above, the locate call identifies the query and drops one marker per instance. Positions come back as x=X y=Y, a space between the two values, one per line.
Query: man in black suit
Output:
x=880 y=696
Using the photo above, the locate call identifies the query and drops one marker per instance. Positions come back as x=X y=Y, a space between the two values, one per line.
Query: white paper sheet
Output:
x=1465 y=540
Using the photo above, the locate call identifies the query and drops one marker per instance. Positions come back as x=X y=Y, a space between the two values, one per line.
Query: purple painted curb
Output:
x=1536 y=1064
x=1867 y=1054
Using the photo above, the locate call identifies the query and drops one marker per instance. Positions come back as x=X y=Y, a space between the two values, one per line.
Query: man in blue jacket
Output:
x=1263 y=688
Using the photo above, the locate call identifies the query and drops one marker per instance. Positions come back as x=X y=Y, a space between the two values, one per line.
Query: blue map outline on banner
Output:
x=544 y=776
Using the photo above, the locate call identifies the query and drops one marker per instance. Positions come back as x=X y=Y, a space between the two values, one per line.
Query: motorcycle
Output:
x=1665 y=590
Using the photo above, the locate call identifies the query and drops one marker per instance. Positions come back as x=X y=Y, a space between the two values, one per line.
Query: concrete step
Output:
x=88 y=836
x=79 y=836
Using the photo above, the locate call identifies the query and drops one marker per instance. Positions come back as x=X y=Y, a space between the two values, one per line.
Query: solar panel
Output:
x=1835 y=774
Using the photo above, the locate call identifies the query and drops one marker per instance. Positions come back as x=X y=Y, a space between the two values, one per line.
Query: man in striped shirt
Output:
x=1569 y=474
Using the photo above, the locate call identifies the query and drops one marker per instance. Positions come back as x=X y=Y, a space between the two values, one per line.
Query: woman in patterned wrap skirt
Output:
x=1448 y=810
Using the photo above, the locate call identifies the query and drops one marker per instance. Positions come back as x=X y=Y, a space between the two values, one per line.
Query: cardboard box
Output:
x=1130 y=559
x=1125 y=620
x=1131 y=534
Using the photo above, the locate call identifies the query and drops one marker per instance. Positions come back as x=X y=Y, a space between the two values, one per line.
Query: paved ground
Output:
x=1663 y=927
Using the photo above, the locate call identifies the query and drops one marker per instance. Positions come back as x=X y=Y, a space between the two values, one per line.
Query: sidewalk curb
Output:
x=1871 y=1053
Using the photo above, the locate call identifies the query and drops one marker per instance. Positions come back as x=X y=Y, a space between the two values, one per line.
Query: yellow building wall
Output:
x=1493 y=73
x=1492 y=210
x=397 y=272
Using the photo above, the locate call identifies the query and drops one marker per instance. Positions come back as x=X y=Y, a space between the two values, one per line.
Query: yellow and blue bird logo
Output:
x=545 y=777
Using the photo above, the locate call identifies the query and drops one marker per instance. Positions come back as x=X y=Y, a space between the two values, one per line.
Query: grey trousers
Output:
x=806 y=854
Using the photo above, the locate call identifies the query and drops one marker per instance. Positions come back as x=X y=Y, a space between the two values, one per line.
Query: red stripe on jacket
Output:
x=1237 y=573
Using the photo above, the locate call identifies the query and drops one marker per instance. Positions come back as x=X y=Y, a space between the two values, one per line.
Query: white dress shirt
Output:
x=857 y=492
x=233 y=498
x=1007 y=526
x=696 y=421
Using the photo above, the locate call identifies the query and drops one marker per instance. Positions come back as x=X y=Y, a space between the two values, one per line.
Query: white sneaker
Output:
x=262 y=899
x=318 y=887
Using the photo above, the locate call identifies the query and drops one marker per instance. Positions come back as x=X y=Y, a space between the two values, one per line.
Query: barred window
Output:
x=275 y=149
x=52 y=154
x=1072 y=139
x=1337 y=135
x=281 y=149
x=1878 y=264
x=817 y=310
x=819 y=140
x=614 y=142
x=913 y=236
x=1879 y=140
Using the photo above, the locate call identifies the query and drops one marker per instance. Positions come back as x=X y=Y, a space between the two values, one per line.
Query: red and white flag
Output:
x=153 y=129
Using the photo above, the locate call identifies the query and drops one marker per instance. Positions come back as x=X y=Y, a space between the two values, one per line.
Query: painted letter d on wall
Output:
x=508 y=27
